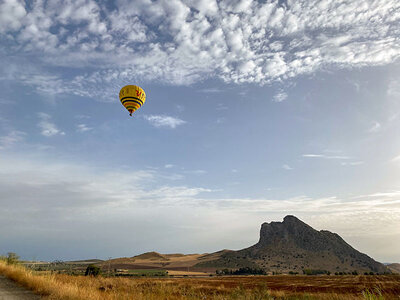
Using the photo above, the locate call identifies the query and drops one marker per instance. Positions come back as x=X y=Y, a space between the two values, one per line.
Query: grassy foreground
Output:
x=60 y=286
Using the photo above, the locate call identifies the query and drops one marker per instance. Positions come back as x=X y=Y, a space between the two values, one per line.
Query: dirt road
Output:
x=9 y=290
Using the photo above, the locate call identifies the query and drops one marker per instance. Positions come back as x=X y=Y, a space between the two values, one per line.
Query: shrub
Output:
x=92 y=270
x=241 y=271
x=314 y=272
x=12 y=258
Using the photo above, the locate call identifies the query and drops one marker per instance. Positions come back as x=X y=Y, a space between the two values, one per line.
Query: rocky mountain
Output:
x=293 y=246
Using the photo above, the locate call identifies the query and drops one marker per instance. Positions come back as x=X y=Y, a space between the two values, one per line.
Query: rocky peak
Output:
x=290 y=230
x=294 y=245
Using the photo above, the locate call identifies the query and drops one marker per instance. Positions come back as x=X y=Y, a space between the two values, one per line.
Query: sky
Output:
x=255 y=110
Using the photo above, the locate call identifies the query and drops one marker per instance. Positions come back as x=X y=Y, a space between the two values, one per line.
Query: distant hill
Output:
x=395 y=268
x=292 y=245
x=155 y=256
x=283 y=247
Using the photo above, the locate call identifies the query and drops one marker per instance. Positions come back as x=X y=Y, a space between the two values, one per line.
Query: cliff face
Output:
x=292 y=245
x=292 y=231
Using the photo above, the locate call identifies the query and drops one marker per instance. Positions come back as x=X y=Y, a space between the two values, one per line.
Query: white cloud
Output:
x=287 y=167
x=324 y=156
x=168 y=166
x=48 y=128
x=391 y=194
x=80 y=200
x=164 y=121
x=279 y=97
x=353 y=163
x=79 y=186
x=181 y=42
x=12 y=13
x=375 y=127
x=396 y=159
x=83 y=128
x=211 y=90
x=393 y=90
x=11 y=139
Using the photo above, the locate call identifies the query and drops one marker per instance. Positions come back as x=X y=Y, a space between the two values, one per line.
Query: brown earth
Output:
x=389 y=285
x=9 y=290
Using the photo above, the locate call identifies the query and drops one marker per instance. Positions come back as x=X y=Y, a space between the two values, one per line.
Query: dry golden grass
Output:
x=58 y=286
x=186 y=273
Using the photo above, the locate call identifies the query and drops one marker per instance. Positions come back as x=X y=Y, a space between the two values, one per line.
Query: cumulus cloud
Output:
x=48 y=128
x=184 y=41
x=12 y=13
x=164 y=121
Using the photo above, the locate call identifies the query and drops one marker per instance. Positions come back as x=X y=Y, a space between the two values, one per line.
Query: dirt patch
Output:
x=9 y=290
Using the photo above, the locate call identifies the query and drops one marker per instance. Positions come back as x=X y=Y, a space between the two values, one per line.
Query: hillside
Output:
x=292 y=245
x=154 y=260
x=283 y=247
x=395 y=268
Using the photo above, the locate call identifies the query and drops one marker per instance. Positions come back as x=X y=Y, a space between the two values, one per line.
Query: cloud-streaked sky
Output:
x=254 y=110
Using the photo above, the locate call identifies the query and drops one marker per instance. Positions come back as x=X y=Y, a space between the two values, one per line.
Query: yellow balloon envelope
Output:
x=132 y=97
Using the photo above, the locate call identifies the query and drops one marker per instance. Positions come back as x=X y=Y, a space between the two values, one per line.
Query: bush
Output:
x=241 y=271
x=92 y=270
x=315 y=272
x=12 y=258
x=249 y=271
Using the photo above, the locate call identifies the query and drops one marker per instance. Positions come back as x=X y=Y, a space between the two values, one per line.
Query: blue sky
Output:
x=254 y=110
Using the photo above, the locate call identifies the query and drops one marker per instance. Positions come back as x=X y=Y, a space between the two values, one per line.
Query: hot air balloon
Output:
x=132 y=97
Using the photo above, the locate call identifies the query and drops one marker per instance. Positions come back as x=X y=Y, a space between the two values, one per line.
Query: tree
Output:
x=12 y=258
x=92 y=270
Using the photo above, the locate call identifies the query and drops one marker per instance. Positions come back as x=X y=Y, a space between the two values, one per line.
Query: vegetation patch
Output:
x=52 y=285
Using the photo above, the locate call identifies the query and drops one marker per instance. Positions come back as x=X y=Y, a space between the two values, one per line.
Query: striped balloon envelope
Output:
x=132 y=97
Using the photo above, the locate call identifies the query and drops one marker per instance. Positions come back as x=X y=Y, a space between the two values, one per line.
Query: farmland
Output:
x=63 y=286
